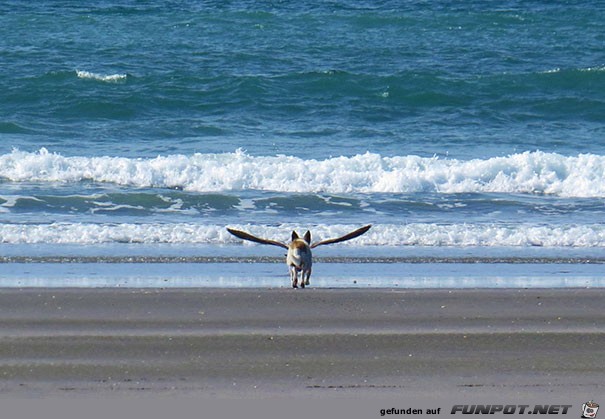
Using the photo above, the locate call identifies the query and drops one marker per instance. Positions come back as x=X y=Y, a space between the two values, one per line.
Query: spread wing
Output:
x=250 y=237
x=346 y=237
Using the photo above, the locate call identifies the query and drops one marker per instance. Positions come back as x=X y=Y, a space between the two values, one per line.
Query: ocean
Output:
x=469 y=132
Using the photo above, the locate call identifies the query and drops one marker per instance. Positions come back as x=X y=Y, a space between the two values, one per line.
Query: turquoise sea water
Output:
x=456 y=128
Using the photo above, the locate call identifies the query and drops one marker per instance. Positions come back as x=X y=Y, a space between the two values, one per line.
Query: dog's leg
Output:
x=307 y=276
x=294 y=276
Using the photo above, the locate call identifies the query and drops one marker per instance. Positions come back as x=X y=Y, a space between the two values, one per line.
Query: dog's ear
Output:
x=294 y=235
x=307 y=237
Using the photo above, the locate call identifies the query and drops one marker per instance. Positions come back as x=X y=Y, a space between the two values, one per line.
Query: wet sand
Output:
x=313 y=343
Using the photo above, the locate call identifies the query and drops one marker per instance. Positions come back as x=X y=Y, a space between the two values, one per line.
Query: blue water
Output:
x=465 y=128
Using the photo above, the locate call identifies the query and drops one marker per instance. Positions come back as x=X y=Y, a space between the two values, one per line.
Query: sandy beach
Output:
x=315 y=343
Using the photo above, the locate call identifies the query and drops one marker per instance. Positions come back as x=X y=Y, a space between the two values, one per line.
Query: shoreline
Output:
x=253 y=275
x=313 y=343
x=136 y=259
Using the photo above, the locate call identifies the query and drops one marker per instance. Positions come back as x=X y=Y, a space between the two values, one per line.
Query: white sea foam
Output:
x=525 y=173
x=418 y=234
x=109 y=78
x=594 y=69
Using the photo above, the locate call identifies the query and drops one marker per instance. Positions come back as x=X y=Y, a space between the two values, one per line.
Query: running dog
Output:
x=299 y=258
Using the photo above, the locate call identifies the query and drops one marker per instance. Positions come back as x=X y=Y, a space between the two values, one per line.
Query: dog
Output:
x=299 y=258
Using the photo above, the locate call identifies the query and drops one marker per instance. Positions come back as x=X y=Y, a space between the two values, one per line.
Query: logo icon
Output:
x=590 y=409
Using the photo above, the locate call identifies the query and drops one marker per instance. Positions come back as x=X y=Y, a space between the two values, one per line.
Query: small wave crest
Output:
x=524 y=173
x=108 y=78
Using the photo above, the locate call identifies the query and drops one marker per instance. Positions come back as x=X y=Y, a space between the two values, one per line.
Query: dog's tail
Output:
x=296 y=258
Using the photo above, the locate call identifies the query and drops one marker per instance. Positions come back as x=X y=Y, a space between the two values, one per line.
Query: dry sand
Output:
x=313 y=343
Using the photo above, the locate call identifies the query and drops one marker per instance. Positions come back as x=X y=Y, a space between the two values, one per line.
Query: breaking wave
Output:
x=413 y=234
x=524 y=173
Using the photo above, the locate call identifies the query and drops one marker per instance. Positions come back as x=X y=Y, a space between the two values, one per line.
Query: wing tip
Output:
x=352 y=235
x=250 y=237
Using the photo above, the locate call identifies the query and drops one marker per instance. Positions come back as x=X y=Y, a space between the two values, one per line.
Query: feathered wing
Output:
x=247 y=236
x=346 y=237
